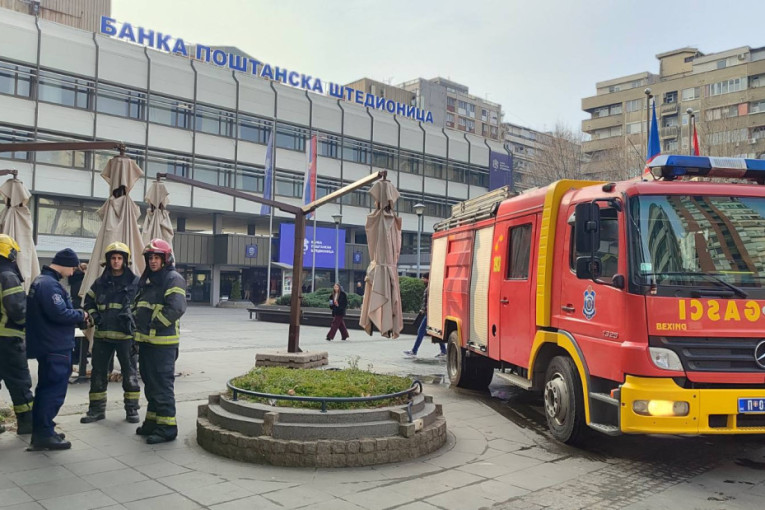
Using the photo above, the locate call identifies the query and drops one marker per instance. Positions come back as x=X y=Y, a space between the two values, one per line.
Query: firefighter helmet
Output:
x=8 y=247
x=159 y=247
x=120 y=248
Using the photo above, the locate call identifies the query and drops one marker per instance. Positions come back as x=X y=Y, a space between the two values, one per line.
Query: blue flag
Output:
x=269 y=175
x=654 y=146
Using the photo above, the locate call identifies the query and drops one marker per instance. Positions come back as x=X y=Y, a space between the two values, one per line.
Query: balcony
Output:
x=669 y=109
x=590 y=125
x=669 y=132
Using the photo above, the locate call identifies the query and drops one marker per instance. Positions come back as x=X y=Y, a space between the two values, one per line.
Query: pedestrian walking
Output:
x=424 y=325
x=158 y=307
x=51 y=319
x=338 y=302
x=109 y=303
x=14 y=370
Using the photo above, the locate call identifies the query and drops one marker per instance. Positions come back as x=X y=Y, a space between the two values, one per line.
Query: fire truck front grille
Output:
x=701 y=354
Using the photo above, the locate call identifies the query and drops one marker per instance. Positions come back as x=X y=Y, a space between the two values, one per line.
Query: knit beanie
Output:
x=66 y=258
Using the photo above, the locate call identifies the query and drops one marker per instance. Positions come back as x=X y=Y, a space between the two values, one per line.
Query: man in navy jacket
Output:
x=51 y=319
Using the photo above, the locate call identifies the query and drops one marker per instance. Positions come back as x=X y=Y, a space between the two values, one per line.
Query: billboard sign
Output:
x=500 y=170
x=323 y=244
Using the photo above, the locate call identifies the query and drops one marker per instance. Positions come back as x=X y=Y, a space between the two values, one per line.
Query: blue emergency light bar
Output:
x=670 y=167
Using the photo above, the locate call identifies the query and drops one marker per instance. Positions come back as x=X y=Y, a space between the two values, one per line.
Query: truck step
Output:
x=603 y=397
x=515 y=380
x=611 y=430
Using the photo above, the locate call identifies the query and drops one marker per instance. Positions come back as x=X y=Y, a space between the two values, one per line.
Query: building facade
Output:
x=83 y=14
x=181 y=116
x=725 y=92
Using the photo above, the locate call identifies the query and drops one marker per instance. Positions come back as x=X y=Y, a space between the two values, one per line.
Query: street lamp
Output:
x=419 y=209
x=338 y=218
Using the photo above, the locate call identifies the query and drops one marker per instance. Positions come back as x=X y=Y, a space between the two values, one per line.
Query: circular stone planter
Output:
x=287 y=436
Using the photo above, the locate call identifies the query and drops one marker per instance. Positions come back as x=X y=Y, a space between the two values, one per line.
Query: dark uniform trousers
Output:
x=52 y=381
x=157 y=366
x=14 y=371
x=103 y=350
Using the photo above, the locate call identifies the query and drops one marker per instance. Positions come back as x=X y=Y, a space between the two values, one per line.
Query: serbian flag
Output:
x=696 y=151
x=268 y=179
x=654 y=147
x=309 y=184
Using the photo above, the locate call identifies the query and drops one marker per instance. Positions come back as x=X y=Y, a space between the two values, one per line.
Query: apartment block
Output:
x=82 y=14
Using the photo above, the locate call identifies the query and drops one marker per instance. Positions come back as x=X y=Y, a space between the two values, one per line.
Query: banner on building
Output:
x=324 y=244
x=500 y=170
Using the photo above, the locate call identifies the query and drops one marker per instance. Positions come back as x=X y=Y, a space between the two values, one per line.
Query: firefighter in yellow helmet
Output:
x=14 y=370
x=109 y=303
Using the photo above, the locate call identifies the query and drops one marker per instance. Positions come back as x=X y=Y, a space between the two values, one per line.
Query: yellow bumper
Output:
x=722 y=405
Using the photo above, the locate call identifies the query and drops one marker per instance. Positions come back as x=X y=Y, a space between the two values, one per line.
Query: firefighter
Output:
x=50 y=338
x=158 y=307
x=13 y=359
x=109 y=303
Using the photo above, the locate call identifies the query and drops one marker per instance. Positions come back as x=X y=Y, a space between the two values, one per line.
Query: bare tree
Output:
x=559 y=156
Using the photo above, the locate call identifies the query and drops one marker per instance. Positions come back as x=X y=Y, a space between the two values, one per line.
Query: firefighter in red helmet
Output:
x=158 y=307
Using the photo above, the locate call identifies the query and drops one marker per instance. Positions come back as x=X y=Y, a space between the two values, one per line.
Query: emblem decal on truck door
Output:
x=589 y=303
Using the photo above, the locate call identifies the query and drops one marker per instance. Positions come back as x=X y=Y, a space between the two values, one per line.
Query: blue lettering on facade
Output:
x=107 y=25
x=127 y=32
x=219 y=57
x=163 y=42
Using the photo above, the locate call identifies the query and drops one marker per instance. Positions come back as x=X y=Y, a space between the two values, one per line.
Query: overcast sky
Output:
x=538 y=58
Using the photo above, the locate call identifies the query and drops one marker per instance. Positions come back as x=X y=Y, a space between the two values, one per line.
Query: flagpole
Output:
x=313 y=253
x=271 y=212
x=647 y=120
x=689 y=111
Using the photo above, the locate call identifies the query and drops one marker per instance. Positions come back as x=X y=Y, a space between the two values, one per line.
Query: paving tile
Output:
x=13 y=496
x=378 y=499
x=261 y=486
x=39 y=475
x=336 y=504
x=497 y=491
x=80 y=501
x=76 y=455
x=549 y=474
x=5 y=482
x=94 y=466
x=451 y=459
x=189 y=480
x=417 y=489
x=297 y=497
x=251 y=503
x=141 y=459
x=452 y=478
x=161 y=469
x=459 y=499
x=417 y=505
x=498 y=466
x=55 y=488
x=25 y=506
x=214 y=494
x=134 y=491
x=167 y=502
x=118 y=477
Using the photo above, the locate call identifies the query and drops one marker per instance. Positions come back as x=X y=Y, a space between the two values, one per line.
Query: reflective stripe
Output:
x=101 y=307
x=160 y=340
x=132 y=395
x=91 y=294
x=175 y=290
x=166 y=420
x=23 y=408
x=163 y=320
x=94 y=397
x=115 y=306
x=9 y=332
x=151 y=416
x=112 y=335
x=144 y=304
x=13 y=290
x=91 y=311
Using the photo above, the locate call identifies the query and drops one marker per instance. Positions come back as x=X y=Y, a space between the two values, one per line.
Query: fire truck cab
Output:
x=633 y=307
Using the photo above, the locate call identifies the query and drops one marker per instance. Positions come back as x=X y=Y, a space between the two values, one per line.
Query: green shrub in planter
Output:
x=236 y=291
x=411 y=293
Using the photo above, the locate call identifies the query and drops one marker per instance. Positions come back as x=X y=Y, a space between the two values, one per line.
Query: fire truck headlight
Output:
x=665 y=359
x=660 y=408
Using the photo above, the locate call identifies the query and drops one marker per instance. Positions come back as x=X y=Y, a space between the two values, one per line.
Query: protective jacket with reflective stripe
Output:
x=13 y=301
x=158 y=307
x=109 y=302
x=50 y=316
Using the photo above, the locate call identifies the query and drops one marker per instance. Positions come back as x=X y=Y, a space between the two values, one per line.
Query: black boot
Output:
x=48 y=443
x=146 y=429
x=131 y=415
x=24 y=423
x=92 y=416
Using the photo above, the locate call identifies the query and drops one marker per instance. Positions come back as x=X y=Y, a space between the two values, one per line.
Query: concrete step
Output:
x=427 y=414
x=248 y=426
x=339 y=431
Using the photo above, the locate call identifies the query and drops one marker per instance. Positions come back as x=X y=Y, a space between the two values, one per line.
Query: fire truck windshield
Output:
x=699 y=242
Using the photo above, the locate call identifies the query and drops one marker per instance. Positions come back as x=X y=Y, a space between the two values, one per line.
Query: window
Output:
x=434 y=167
x=670 y=97
x=254 y=129
x=450 y=120
x=65 y=217
x=757 y=107
x=462 y=107
x=471 y=110
x=214 y=121
x=518 y=252
x=249 y=179
x=634 y=105
x=329 y=146
x=614 y=88
x=479 y=176
x=670 y=145
x=756 y=81
x=15 y=79
x=634 y=127
x=457 y=172
x=462 y=123
x=691 y=93
x=484 y=115
x=289 y=185
x=356 y=151
x=608 y=252
x=720 y=64
x=451 y=104
x=411 y=162
x=726 y=86
x=167 y=162
x=605 y=111
x=170 y=112
x=213 y=172
x=64 y=90
x=15 y=136
x=121 y=101
x=290 y=137
x=71 y=159
x=471 y=125
x=384 y=157
x=669 y=121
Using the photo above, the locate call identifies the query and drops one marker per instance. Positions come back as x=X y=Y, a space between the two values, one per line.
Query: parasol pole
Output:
x=313 y=253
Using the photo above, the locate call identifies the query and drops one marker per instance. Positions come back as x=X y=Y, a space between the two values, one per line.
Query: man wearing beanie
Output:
x=51 y=319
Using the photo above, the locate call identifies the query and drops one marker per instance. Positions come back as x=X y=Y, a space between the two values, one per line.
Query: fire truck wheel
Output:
x=473 y=373
x=564 y=404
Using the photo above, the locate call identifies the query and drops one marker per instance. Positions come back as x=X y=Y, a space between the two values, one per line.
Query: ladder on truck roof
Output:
x=475 y=209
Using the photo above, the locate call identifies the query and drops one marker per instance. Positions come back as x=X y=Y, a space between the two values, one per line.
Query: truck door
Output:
x=512 y=316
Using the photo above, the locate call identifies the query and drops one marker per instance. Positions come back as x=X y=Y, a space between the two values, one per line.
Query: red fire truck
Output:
x=633 y=307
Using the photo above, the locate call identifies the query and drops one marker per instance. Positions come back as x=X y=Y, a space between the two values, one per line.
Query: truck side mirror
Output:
x=587 y=227
x=588 y=267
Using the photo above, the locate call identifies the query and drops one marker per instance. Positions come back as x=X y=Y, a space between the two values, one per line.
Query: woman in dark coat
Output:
x=338 y=302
